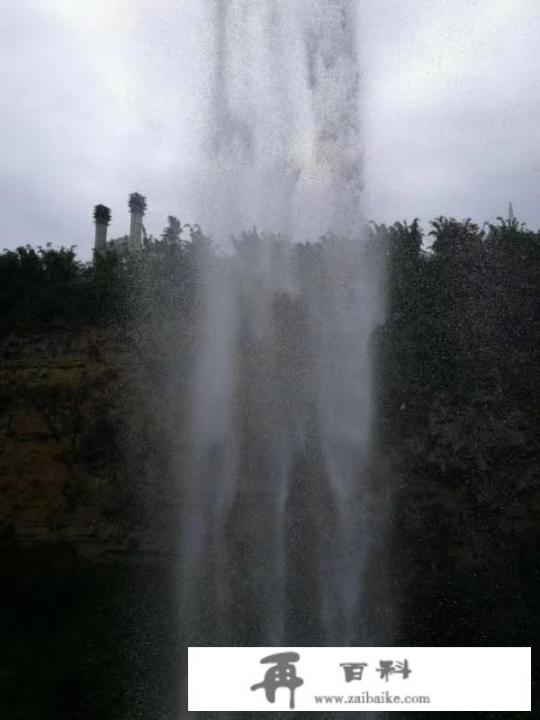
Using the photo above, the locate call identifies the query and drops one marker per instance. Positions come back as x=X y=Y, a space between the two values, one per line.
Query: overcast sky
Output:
x=103 y=97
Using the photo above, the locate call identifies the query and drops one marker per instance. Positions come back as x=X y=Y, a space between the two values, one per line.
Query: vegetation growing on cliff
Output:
x=460 y=332
x=457 y=377
x=456 y=358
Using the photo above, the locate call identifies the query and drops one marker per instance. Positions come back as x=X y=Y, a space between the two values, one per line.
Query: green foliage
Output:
x=47 y=286
x=171 y=234
x=38 y=285
x=456 y=373
x=457 y=366
x=456 y=353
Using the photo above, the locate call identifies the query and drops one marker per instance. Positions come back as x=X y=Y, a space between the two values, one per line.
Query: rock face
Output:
x=88 y=612
x=91 y=450
x=77 y=438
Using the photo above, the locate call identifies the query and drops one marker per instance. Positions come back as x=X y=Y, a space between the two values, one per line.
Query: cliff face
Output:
x=91 y=448
x=86 y=536
x=77 y=428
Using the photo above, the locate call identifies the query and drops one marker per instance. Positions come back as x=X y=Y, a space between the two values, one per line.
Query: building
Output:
x=131 y=242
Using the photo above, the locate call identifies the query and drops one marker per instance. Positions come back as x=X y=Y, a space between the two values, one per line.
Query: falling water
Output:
x=275 y=540
x=285 y=136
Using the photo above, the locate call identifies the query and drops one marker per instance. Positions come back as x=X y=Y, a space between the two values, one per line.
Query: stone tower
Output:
x=137 y=208
x=102 y=218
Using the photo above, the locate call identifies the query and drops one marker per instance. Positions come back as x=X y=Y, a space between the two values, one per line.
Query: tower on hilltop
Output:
x=102 y=218
x=137 y=208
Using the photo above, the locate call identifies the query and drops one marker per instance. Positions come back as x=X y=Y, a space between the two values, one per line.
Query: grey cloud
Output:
x=451 y=116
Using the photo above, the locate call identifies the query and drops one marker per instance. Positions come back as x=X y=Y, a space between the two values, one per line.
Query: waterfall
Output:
x=284 y=115
x=274 y=537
